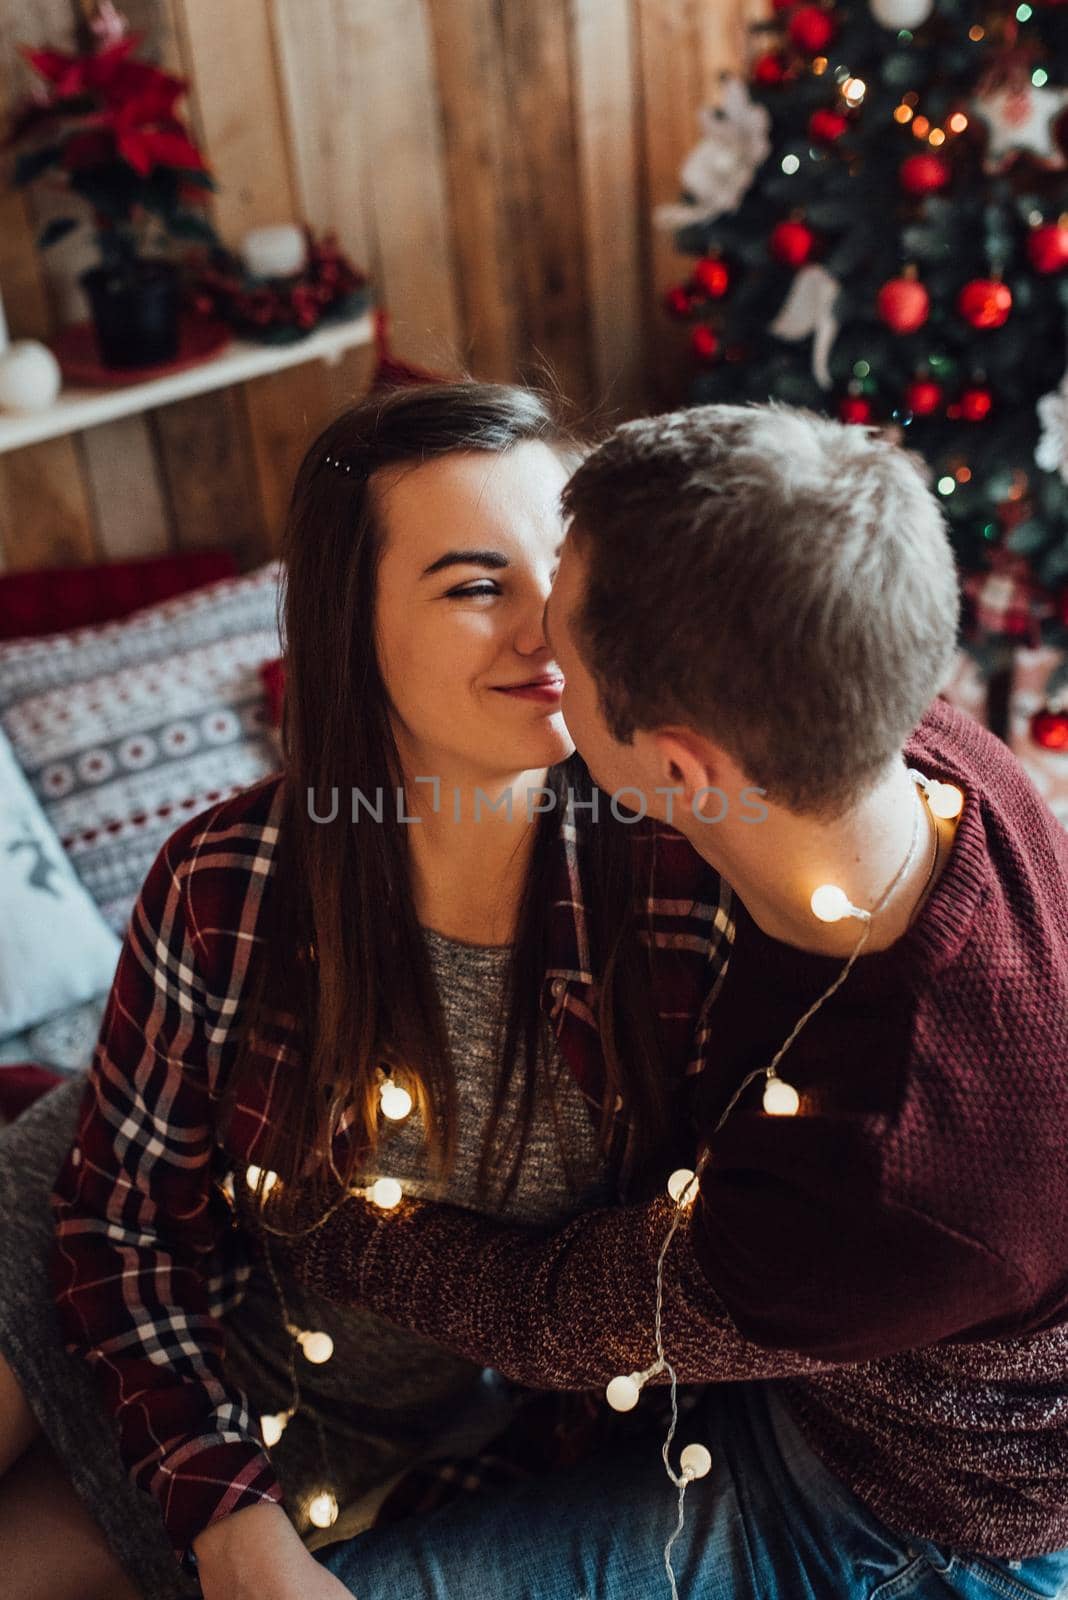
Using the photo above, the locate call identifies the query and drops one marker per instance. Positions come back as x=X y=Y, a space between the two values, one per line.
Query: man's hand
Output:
x=257 y=1554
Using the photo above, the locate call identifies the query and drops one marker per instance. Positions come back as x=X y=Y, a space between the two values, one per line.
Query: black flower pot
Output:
x=135 y=309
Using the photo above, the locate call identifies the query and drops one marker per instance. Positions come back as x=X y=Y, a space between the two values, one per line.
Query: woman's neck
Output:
x=469 y=857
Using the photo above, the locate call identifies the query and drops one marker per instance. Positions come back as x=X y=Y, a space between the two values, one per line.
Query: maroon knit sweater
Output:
x=896 y=1254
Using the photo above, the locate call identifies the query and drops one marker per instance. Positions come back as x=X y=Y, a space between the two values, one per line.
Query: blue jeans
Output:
x=769 y=1522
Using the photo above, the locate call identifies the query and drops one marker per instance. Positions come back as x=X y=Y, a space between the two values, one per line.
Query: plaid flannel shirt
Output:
x=147 y=1261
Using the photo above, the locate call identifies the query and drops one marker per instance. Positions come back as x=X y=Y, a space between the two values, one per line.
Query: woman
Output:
x=379 y=913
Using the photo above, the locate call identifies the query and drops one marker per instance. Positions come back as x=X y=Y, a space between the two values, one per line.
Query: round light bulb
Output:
x=395 y=1101
x=695 y=1461
x=322 y=1511
x=830 y=903
x=945 y=799
x=273 y=1427
x=252 y=1178
x=679 y=1186
x=317 y=1347
x=781 y=1099
x=387 y=1193
x=622 y=1393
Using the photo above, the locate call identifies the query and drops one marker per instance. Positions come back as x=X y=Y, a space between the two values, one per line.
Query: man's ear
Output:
x=687 y=762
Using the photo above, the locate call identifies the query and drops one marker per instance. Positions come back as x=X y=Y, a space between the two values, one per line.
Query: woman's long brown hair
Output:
x=341 y=985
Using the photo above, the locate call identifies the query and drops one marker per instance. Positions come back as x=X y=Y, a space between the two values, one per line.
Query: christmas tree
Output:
x=880 y=218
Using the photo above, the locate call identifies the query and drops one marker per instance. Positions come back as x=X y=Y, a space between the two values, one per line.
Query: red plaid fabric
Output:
x=147 y=1261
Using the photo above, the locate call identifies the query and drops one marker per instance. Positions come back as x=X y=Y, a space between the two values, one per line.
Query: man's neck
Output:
x=775 y=865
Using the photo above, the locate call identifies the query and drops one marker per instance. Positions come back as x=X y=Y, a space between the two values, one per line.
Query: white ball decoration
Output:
x=395 y=1101
x=387 y=1193
x=945 y=799
x=682 y=1186
x=695 y=1461
x=901 y=13
x=317 y=1347
x=252 y=1178
x=622 y=1393
x=273 y=1427
x=830 y=903
x=781 y=1099
x=322 y=1510
x=30 y=378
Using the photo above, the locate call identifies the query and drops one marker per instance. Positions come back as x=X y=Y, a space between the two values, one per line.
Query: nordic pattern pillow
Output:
x=127 y=729
x=55 y=950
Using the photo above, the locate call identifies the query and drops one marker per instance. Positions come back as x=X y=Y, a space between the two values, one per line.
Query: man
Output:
x=754 y=614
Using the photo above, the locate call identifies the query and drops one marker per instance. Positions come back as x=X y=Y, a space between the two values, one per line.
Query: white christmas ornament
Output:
x=809 y=308
x=1021 y=120
x=901 y=13
x=29 y=376
x=696 y=1461
x=719 y=170
x=1051 y=451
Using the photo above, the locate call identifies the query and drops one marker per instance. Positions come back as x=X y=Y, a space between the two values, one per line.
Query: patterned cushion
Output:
x=55 y=950
x=127 y=729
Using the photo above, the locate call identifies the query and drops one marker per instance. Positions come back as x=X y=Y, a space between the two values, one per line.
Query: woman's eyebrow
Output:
x=466 y=558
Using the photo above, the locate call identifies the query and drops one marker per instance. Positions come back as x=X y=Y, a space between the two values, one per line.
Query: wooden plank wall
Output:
x=492 y=164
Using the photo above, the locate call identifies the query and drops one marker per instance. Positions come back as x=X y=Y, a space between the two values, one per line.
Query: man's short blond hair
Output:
x=779 y=581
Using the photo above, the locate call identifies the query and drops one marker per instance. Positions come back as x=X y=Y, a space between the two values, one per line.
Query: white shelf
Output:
x=78 y=408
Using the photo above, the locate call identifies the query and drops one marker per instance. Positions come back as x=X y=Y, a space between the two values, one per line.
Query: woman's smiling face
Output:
x=470 y=547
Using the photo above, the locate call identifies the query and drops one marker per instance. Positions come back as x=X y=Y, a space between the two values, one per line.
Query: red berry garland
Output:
x=923 y=398
x=903 y=304
x=826 y=126
x=924 y=174
x=712 y=277
x=975 y=403
x=679 y=302
x=854 y=408
x=985 y=303
x=1047 y=246
x=704 y=342
x=792 y=243
x=769 y=69
x=1050 y=729
x=811 y=29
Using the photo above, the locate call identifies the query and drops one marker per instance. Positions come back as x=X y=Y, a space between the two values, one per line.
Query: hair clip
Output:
x=342 y=466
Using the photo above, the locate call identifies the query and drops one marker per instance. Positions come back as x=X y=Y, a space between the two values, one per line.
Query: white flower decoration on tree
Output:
x=1051 y=451
x=809 y=308
x=1021 y=122
x=720 y=169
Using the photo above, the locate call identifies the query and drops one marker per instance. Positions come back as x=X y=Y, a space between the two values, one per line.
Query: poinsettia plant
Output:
x=105 y=125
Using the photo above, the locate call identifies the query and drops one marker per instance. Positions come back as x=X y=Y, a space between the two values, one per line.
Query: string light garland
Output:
x=829 y=903
x=316 y=1346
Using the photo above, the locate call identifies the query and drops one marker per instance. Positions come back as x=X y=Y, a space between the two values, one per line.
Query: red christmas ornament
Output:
x=704 y=342
x=924 y=174
x=923 y=398
x=975 y=403
x=1047 y=246
x=826 y=126
x=712 y=277
x=678 y=302
x=854 y=408
x=903 y=304
x=769 y=69
x=985 y=303
x=792 y=243
x=811 y=29
x=1050 y=729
